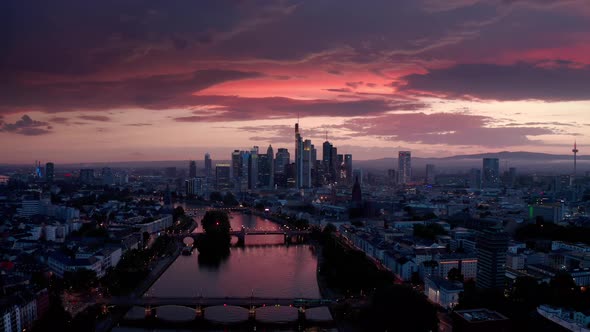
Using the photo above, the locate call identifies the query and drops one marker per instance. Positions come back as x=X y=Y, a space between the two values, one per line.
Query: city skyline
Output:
x=167 y=82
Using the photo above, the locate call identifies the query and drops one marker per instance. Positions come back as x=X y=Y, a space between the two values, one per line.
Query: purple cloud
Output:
x=26 y=126
x=520 y=81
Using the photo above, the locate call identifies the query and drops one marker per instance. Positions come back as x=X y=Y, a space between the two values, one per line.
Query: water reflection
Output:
x=264 y=265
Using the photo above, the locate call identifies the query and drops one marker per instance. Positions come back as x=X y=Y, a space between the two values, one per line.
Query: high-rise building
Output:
x=492 y=245
x=335 y=170
x=348 y=168
x=192 y=169
x=208 y=165
x=49 y=172
x=265 y=168
x=253 y=169
x=298 y=158
x=357 y=174
x=87 y=175
x=491 y=173
x=196 y=186
x=283 y=158
x=107 y=176
x=512 y=176
x=307 y=164
x=223 y=176
x=475 y=179
x=404 y=172
x=430 y=174
x=236 y=164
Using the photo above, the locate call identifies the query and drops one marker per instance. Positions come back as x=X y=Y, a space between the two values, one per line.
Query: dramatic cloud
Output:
x=229 y=108
x=444 y=128
x=100 y=118
x=26 y=126
x=520 y=81
x=153 y=92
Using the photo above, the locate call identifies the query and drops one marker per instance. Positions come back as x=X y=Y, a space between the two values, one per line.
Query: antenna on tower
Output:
x=326 y=135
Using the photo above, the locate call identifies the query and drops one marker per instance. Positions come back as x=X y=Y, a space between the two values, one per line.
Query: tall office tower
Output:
x=392 y=175
x=87 y=175
x=492 y=245
x=208 y=165
x=236 y=164
x=253 y=169
x=475 y=178
x=404 y=171
x=269 y=156
x=49 y=172
x=265 y=168
x=327 y=161
x=192 y=169
x=283 y=158
x=223 y=178
x=491 y=173
x=348 y=168
x=358 y=174
x=340 y=175
x=307 y=165
x=335 y=170
x=107 y=176
x=38 y=171
x=512 y=176
x=244 y=178
x=430 y=172
x=298 y=158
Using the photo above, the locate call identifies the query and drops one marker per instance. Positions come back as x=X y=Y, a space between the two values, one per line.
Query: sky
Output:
x=123 y=80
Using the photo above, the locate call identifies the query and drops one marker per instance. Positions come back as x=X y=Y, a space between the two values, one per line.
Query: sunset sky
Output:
x=118 y=80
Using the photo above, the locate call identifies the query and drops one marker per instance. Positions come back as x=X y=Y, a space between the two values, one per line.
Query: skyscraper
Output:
x=283 y=158
x=223 y=176
x=335 y=166
x=49 y=172
x=348 y=168
x=87 y=175
x=475 y=179
x=307 y=164
x=404 y=167
x=298 y=158
x=266 y=168
x=253 y=169
x=492 y=245
x=430 y=174
x=107 y=176
x=208 y=165
x=491 y=173
x=192 y=169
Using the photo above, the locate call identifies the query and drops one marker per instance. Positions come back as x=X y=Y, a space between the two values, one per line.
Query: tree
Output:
x=215 y=241
x=216 y=196
x=177 y=213
x=230 y=200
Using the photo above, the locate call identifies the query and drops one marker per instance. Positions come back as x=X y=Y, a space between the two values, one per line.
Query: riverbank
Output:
x=156 y=270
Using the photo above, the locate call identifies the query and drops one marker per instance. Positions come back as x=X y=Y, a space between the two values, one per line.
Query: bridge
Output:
x=203 y=302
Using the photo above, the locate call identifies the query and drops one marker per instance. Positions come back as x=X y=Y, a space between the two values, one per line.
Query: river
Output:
x=264 y=267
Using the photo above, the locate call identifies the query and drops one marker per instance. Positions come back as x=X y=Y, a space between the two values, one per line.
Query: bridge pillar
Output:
x=150 y=312
x=199 y=312
x=301 y=318
x=252 y=313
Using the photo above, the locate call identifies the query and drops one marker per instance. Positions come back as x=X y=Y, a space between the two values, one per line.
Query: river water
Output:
x=264 y=267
